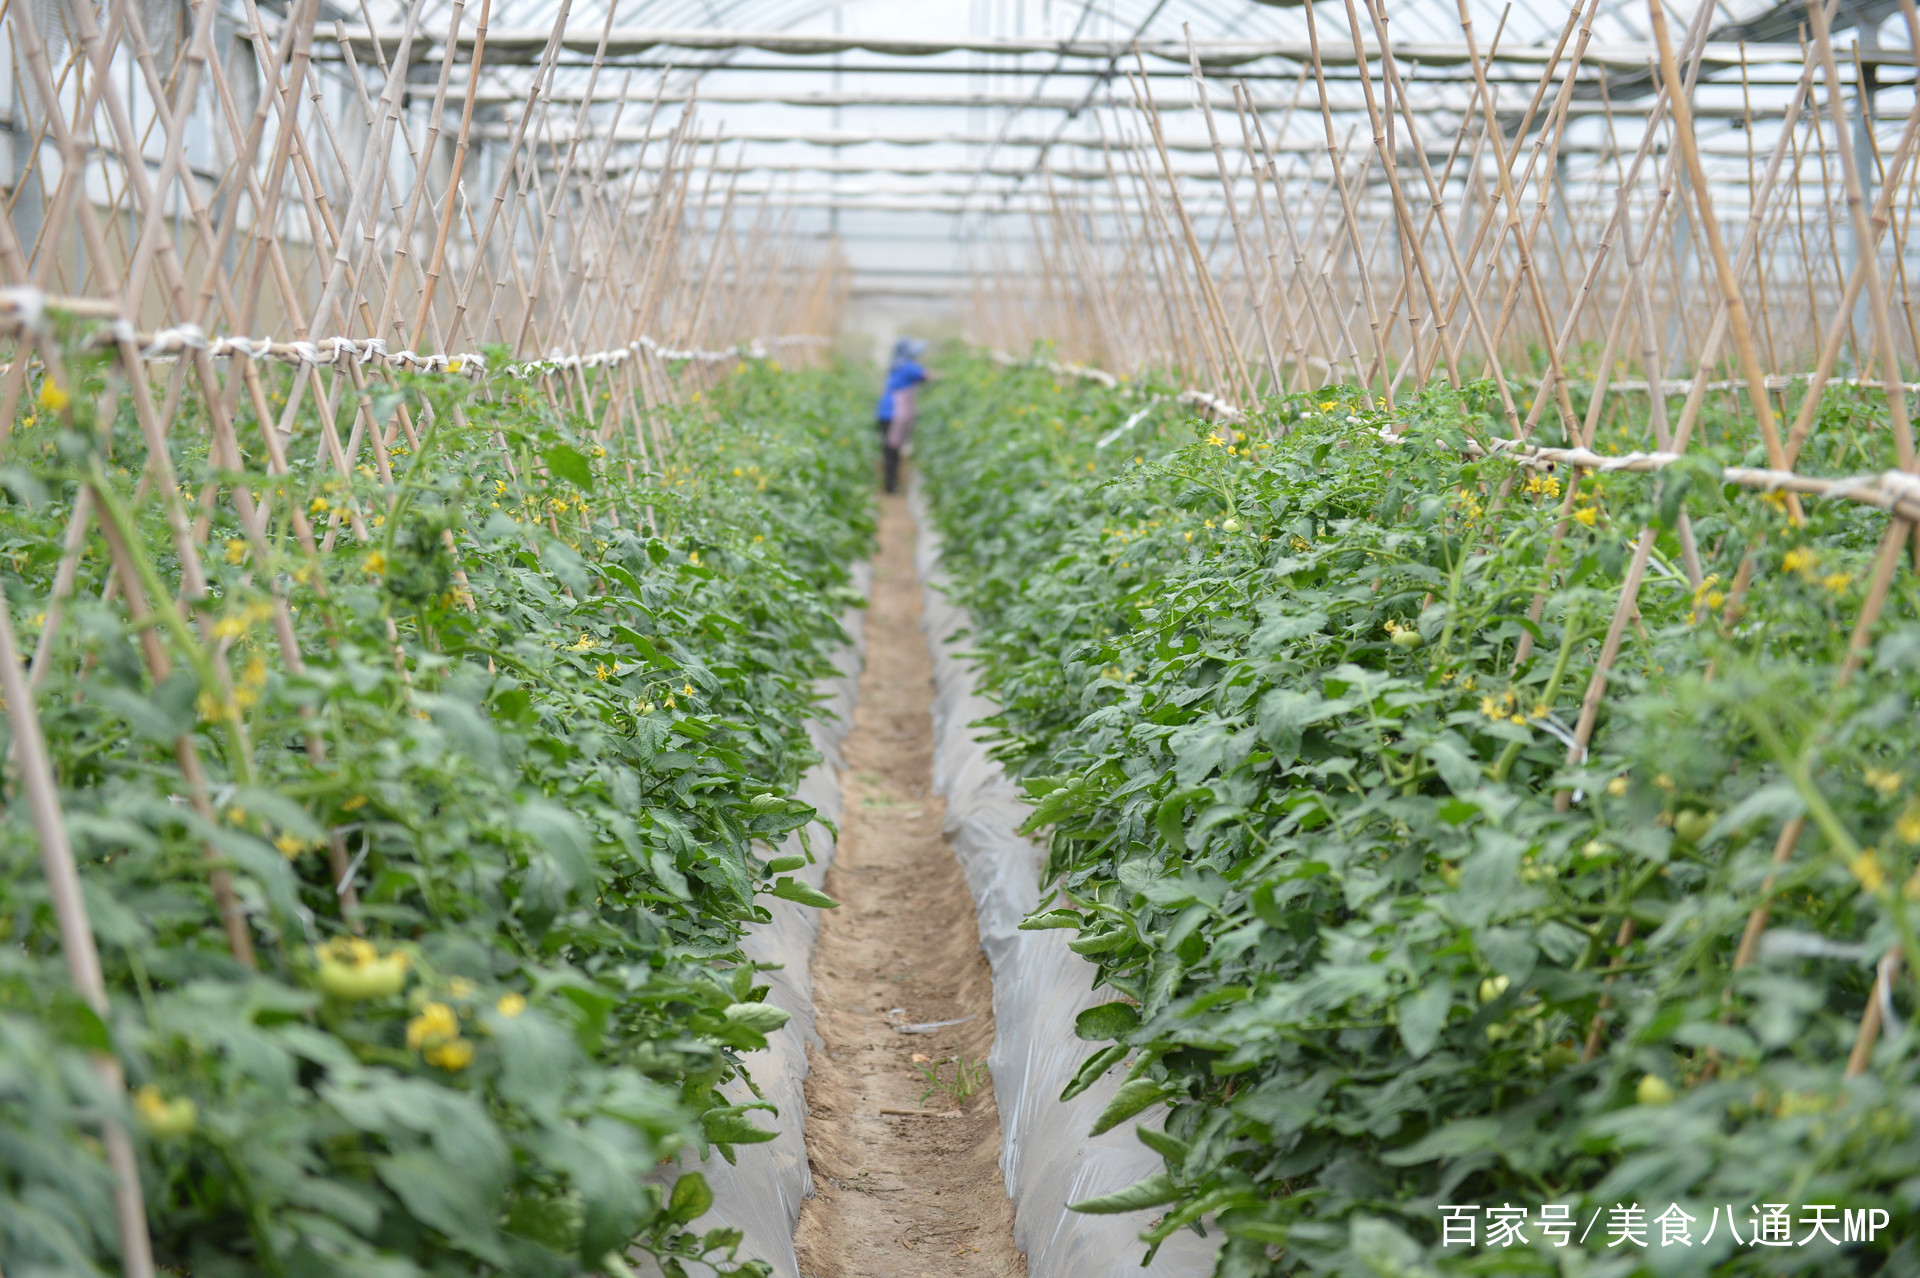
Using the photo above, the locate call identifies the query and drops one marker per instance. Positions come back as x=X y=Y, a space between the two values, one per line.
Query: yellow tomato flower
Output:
x=510 y=1005
x=1617 y=787
x=1799 y=559
x=52 y=397
x=455 y=1054
x=236 y=550
x=290 y=846
x=1587 y=515
x=1884 y=782
x=1542 y=485
x=435 y=1024
x=375 y=564
x=601 y=671
x=1866 y=868
x=1907 y=828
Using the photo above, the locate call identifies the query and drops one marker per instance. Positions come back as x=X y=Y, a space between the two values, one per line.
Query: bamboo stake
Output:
x=1346 y=207
x=76 y=939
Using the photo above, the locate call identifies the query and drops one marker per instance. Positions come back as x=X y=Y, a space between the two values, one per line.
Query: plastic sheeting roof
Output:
x=910 y=128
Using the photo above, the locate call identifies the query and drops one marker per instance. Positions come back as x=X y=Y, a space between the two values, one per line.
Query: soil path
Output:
x=900 y=1194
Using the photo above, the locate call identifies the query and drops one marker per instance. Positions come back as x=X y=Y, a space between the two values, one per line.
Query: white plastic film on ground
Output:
x=761 y=1193
x=1039 y=986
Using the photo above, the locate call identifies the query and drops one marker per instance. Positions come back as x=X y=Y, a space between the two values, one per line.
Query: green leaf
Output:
x=283 y=813
x=1467 y=1136
x=1108 y=1020
x=571 y=465
x=1170 y=819
x=73 y=1022
x=1092 y=1068
x=1156 y=1190
x=1046 y=919
x=1168 y=1147
x=762 y=1018
x=563 y=843
x=691 y=1198
x=22 y=486
x=1673 y=485
x=1286 y=713
x=159 y=718
x=733 y=1127
x=442 y=1195
x=1423 y=1014
x=792 y=890
x=1128 y=1101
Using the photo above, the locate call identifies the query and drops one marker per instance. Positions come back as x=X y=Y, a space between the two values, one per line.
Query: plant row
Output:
x=422 y=950
x=1403 y=960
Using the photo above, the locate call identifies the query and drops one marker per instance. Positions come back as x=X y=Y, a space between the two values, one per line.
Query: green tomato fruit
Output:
x=380 y=978
x=1692 y=824
x=1653 y=1090
x=1493 y=987
x=1408 y=638
x=165 y=1119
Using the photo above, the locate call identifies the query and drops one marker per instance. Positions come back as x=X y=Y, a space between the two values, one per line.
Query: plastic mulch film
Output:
x=1039 y=986
x=761 y=1193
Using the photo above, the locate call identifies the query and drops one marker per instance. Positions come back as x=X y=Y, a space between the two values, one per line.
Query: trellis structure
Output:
x=1359 y=208
x=358 y=240
x=1613 y=287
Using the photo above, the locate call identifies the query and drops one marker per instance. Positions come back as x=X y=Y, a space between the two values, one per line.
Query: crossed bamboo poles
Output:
x=619 y=281
x=1324 y=281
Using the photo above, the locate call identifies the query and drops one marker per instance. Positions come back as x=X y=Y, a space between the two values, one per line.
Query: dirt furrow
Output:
x=902 y=1132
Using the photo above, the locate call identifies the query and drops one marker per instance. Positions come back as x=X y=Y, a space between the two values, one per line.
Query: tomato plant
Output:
x=489 y=846
x=1296 y=708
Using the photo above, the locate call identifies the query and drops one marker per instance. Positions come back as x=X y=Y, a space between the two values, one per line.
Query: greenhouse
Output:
x=822 y=639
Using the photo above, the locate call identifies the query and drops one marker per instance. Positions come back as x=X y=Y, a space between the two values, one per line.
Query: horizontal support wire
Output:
x=24 y=310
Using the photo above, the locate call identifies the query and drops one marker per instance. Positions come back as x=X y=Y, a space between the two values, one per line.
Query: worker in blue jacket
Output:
x=893 y=416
